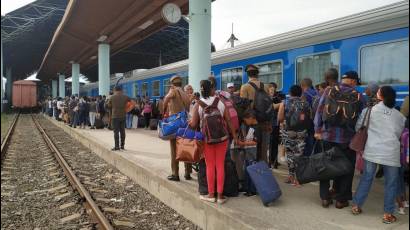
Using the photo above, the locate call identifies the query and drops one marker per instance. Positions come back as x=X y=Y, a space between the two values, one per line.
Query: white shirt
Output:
x=209 y=101
x=60 y=105
x=383 y=142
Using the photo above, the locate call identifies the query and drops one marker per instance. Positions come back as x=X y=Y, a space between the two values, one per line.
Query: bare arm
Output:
x=281 y=113
x=194 y=122
x=230 y=126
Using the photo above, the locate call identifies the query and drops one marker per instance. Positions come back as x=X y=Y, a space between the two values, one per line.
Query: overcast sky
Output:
x=255 y=19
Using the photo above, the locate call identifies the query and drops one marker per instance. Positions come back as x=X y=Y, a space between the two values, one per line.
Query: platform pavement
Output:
x=146 y=160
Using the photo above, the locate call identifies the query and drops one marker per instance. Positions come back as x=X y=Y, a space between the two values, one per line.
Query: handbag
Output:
x=189 y=145
x=325 y=165
x=168 y=127
x=359 y=140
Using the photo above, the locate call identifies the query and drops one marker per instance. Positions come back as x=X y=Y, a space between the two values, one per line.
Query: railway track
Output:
x=34 y=170
x=104 y=196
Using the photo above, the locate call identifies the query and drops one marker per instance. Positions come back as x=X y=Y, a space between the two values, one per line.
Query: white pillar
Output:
x=61 y=84
x=54 y=88
x=75 y=79
x=199 y=42
x=103 y=69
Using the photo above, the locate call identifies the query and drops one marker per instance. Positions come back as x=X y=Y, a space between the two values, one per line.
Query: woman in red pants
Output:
x=214 y=151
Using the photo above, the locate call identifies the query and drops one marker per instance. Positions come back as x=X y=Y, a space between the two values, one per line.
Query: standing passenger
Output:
x=117 y=104
x=383 y=148
x=214 y=153
x=147 y=112
x=93 y=112
x=248 y=92
x=176 y=101
x=333 y=134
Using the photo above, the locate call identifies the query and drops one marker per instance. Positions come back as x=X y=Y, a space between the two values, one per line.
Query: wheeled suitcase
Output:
x=153 y=124
x=99 y=124
x=141 y=122
x=249 y=187
x=266 y=185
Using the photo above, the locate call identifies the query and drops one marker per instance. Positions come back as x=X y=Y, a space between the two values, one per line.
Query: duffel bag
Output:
x=325 y=165
x=168 y=127
x=189 y=145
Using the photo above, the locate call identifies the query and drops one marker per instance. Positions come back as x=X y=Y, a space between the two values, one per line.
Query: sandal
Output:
x=289 y=180
x=389 y=218
x=356 y=210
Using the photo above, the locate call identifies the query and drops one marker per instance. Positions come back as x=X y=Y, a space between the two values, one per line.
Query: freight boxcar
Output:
x=24 y=94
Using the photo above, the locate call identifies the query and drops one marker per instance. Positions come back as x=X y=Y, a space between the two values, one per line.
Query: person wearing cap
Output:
x=176 y=101
x=117 y=104
x=340 y=137
x=248 y=92
x=231 y=88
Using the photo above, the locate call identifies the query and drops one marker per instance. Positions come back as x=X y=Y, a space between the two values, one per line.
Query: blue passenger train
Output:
x=374 y=43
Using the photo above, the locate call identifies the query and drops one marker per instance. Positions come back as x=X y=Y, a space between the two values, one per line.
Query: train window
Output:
x=234 y=75
x=386 y=63
x=271 y=72
x=144 y=89
x=315 y=65
x=167 y=86
x=136 y=90
x=155 y=88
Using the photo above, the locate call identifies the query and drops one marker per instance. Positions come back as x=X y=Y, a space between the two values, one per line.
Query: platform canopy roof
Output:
x=135 y=30
x=26 y=34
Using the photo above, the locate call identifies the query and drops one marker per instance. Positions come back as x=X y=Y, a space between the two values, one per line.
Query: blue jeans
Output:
x=128 y=121
x=391 y=175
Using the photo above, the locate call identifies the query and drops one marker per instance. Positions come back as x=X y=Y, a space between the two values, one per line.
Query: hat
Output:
x=352 y=75
x=249 y=67
x=229 y=85
x=176 y=79
x=373 y=87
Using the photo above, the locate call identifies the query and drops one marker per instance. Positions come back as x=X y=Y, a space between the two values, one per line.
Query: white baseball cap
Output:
x=229 y=85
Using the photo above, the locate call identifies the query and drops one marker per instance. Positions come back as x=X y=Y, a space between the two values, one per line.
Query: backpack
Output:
x=229 y=105
x=262 y=104
x=341 y=108
x=298 y=114
x=241 y=105
x=213 y=124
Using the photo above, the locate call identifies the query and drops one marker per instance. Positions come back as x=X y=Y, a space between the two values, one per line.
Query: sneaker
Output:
x=207 y=198
x=222 y=201
x=401 y=211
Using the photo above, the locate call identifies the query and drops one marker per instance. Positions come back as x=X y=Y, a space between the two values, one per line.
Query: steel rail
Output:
x=91 y=207
x=7 y=138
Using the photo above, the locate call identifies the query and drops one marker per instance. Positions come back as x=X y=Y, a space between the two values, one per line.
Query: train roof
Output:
x=380 y=19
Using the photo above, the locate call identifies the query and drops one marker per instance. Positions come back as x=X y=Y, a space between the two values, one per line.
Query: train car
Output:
x=24 y=94
x=374 y=43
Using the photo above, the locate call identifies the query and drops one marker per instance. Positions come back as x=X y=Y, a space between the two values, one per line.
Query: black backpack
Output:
x=341 y=108
x=298 y=115
x=262 y=104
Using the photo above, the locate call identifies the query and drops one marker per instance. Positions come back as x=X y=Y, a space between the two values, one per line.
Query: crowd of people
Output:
x=300 y=124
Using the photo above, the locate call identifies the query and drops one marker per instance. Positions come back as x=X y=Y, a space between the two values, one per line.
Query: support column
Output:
x=61 y=84
x=54 y=88
x=199 y=42
x=9 y=85
x=103 y=69
x=75 y=79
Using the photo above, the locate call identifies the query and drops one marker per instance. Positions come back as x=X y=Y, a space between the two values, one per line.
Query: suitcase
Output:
x=141 y=122
x=231 y=186
x=266 y=185
x=99 y=124
x=153 y=124
x=249 y=187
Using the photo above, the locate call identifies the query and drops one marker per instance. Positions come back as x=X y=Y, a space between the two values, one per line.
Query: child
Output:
x=249 y=145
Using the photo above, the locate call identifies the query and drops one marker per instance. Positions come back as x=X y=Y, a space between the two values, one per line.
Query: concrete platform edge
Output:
x=207 y=216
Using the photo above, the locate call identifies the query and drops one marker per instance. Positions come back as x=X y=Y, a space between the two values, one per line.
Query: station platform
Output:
x=147 y=161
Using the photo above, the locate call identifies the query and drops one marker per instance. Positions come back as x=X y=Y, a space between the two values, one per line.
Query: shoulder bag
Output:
x=359 y=140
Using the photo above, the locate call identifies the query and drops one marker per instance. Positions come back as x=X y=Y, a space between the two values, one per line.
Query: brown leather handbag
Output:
x=359 y=140
x=189 y=150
